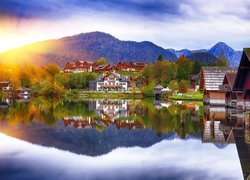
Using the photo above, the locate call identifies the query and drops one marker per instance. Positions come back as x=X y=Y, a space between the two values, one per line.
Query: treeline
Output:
x=174 y=75
x=46 y=80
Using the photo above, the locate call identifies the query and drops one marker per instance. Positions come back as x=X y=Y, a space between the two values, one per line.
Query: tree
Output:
x=183 y=68
x=160 y=58
x=173 y=85
x=101 y=61
x=183 y=86
x=147 y=71
x=52 y=69
x=24 y=79
x=196 y=67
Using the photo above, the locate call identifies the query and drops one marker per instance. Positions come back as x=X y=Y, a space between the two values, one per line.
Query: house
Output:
x=78 y=67
x=242 y=82
x=110 y=82
x=130 y=66
x=140 y=81
x=105 y=68
x=110 y=109
x=211 y=79
x=227 y=87
x=6 y=86
x=194 y=82
x=22 y=92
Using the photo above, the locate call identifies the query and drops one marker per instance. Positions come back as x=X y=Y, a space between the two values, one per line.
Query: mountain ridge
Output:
x=91 y=46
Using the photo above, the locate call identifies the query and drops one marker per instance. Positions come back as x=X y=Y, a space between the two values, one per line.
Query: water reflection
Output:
x=99 y=127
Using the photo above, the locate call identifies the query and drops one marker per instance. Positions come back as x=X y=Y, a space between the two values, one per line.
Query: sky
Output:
x=178 y=24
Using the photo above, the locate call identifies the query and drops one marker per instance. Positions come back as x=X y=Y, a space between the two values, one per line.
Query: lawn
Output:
x=188 y=96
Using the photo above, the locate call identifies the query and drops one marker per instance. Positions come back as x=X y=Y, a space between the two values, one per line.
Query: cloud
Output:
x=62 y=8
x=178 y=24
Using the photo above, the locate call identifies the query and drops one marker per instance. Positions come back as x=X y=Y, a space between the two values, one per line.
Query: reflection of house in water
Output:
x=214 y=126
x=194 y=111
x=161 y=104
x=5 y=103
x=110 y=109
x=130 y=124
x=242 y=140
x=79 y=122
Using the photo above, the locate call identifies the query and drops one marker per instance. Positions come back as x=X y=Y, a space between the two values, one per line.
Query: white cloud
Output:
x=204 y=24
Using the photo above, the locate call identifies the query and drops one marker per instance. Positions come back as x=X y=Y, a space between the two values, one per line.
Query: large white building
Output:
x=110 y=82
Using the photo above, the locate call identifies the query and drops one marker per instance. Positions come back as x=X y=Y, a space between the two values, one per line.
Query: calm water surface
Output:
x=121 y=139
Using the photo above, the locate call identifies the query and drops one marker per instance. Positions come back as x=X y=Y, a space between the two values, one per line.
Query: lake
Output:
x=121 y=139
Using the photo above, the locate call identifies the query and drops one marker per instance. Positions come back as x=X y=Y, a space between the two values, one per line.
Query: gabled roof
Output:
x=244 y=70
x=230 y=78
x=113 y=73
x=214 y=76
x=4 y=83
x=158 y=87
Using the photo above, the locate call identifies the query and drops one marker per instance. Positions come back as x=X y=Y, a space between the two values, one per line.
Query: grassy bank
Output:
x=192 y=96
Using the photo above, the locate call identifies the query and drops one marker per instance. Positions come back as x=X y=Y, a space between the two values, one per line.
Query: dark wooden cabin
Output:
x=242 y=82
x=211 y=79
x=227 y=87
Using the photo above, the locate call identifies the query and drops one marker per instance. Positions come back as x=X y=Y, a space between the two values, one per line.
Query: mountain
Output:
x=229 y=53
x=87 y=46
x=92 y=46
x=184 y=52
x=203 y=57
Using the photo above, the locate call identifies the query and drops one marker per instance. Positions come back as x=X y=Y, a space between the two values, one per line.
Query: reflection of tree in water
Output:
x=172 y=119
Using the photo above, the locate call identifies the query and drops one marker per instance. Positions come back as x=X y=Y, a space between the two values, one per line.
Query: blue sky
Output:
x=178 y=24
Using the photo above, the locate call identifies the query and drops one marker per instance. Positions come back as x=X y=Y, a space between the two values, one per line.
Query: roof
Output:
x=231 y=78
x=4 y=83
x=158 y=87
x=214 y=76
x=247 y=51
x=243 y=71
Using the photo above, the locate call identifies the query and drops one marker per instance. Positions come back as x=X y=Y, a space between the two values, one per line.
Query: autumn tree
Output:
x=183 y=68
x=52 y=69
x=173 y=85
x=183 y=86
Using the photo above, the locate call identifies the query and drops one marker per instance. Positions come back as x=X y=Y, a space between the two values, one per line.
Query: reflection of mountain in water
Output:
x=87 y=141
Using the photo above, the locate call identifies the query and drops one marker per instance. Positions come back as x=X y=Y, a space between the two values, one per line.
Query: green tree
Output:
x=101 y=61
x=196 y=67
x=160 y=58
x=147 y=71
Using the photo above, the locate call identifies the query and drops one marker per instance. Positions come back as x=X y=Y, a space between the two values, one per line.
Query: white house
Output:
x=110 y=82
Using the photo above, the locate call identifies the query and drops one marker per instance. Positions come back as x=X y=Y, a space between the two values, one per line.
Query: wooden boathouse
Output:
x=211 y=79
x=242 y=82
x=227 y=87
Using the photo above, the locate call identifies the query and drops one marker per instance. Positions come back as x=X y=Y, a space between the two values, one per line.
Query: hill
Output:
x=86 y=46
x=92 y=46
